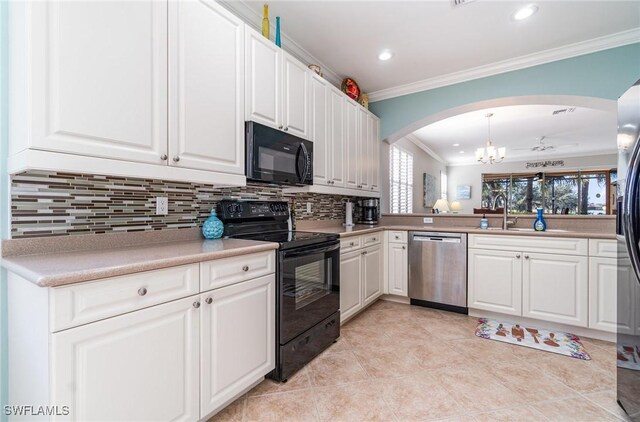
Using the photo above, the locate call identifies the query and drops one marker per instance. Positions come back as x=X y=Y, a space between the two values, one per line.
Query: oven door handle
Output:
x=311 y=250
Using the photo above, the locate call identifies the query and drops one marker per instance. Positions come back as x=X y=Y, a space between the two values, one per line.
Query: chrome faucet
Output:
x=505 y=222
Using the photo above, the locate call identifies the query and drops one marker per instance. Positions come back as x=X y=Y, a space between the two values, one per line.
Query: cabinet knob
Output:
x=375 y=238
x=196 y=304
x=280 y=127
x=163 y=157
x=526 y=257
x=397 y=237
x=404 y=247
x=351 y=244
x=142 y=291
x=371 y=187
x=518 y=256
x=176 y=158
x=208 y=300
x=245 y=268
x=286 y=129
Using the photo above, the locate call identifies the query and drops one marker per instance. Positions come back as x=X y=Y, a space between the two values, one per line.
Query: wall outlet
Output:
x=427 y=220
x=309 y=207
x=162 y=205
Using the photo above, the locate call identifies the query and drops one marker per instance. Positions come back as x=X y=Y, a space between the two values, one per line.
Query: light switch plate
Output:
x=309 y=207
x=162 y=205
x=427 y=220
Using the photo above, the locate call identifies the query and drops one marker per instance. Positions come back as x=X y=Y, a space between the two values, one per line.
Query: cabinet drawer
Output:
x=372 y=239
x=350 y=243
x=91 y=301
x=557 y=245
x=603 y=247
x=223 y=272
x=398 y=237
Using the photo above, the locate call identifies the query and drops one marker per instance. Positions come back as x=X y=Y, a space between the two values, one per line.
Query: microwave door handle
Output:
x=305 y=171
x=299 y=172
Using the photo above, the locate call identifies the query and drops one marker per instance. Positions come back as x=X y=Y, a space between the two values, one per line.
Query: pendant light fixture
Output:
x=490 y=154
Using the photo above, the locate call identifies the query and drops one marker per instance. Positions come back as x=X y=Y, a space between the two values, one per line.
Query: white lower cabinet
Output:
x=495 y=281
x=372 y=273
x=398 y=268
x=360 y=278
x=142 y=365
x=555 y=288
x=612 y=292
x=350 y=284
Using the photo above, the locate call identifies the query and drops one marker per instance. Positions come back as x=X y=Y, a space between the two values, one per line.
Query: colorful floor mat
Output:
x=535 y=338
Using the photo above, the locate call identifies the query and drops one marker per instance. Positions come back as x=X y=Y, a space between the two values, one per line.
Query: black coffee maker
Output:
x=369 y=211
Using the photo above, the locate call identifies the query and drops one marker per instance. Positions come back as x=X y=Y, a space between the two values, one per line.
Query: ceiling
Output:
x=518 y=128
x=431 y=38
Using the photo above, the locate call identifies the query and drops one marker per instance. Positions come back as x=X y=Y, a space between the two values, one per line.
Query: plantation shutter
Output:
x=401 y=179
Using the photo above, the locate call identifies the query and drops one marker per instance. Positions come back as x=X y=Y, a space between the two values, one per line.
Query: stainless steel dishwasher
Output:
x=438 y=270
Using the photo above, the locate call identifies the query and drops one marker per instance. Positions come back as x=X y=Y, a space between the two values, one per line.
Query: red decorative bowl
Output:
x=351 y=88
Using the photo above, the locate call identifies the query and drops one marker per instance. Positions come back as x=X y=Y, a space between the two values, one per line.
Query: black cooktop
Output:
x=289 y=239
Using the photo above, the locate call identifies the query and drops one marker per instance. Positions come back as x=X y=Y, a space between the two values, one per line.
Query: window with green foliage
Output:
x=577 y=192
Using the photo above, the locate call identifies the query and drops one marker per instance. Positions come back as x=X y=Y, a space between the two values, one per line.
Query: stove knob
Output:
x=230 y=208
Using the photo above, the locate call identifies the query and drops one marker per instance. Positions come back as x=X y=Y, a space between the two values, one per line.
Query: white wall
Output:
x=422 y=163
x=472 y=174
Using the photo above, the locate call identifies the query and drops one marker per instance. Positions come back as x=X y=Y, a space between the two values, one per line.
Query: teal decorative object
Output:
x=212 y=227
x=278 y=42
x=540 y=225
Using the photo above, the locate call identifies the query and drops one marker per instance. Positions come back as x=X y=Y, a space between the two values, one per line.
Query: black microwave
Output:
x=274 y=156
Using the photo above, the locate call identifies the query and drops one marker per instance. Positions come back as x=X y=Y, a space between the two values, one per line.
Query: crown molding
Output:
x=559 y=53
x=251 y=17
x=414 y=139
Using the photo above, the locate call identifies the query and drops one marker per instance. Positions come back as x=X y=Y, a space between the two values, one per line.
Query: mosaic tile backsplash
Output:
x=57 y=204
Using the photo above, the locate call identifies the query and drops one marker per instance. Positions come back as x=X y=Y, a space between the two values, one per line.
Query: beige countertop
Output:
x=363 y=229
x=58 y=269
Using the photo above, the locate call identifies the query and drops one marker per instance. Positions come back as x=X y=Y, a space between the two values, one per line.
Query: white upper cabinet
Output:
x=374 y=153
x=320 y=130
x=263 y=80
x=364 y=146
x=98 y=82
x=206 y=81
x=295 y=105
x=337 y=137
x=352 y=151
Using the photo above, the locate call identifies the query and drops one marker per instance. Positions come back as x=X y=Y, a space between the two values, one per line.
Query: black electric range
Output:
x=307 y=279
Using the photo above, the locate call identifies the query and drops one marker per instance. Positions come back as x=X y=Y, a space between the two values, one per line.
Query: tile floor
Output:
x=397 y=362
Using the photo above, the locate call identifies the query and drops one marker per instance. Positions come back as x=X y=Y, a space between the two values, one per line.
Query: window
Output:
x=401 y=172
x=569 y=192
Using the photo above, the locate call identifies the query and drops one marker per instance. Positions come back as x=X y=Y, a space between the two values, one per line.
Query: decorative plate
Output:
x=351 y=88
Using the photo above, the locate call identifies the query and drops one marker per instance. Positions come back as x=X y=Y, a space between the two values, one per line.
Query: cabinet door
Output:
x=320 y=130
x=238 y=340
x=555 y=288
x=495 y=281
x=295 y=105
x=263 y=91
x=138 y=366
x=337 y=145
x=350 y=284
x=398 y=269
x=611 y=296
x=372 y=273
x=374 y=160
x=99 y=78
x=206 y=80
x=364 y=148
x=351 y=139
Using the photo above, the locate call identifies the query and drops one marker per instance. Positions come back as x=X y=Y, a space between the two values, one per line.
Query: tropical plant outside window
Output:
x=586 y=192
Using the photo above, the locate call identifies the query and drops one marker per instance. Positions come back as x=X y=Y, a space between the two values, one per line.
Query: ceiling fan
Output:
x=542 y=146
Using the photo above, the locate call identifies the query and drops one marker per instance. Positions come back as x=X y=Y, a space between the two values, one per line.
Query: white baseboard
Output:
x=395 y=298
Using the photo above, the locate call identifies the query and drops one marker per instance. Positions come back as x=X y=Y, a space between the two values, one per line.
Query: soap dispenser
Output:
x=484 y=223
x=540 y=225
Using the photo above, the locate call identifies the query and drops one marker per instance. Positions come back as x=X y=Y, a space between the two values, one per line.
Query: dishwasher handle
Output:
x=439 y=239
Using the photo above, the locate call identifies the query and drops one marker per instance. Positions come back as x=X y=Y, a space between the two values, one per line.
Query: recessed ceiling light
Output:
x=385 y=55
x=525 y=12
x=461 y=152
x=456 y=145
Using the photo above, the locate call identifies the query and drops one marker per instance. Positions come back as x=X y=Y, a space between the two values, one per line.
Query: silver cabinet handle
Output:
x=518 y=256
x=176 y=158
x=208 y=301
x=196 y=304
x=245 y=268
x=163 y=157
x=142 y=291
